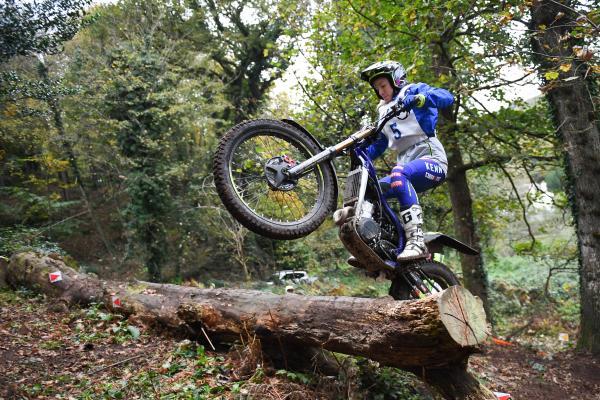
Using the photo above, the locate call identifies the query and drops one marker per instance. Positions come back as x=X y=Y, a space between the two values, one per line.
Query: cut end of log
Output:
x=3 y=270
x=463 y=316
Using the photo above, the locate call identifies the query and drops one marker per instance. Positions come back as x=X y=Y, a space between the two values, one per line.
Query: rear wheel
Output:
x=435 y=277
x=247 y=169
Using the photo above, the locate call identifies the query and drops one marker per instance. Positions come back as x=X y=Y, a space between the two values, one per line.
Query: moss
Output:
x=137 y=288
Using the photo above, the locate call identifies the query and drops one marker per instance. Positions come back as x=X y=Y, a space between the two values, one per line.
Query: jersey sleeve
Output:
x=434 y=97
x=376 y=149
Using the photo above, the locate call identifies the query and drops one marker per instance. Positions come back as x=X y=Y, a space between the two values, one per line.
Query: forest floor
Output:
x=50 y=352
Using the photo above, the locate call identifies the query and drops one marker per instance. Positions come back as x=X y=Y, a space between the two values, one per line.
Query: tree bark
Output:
x=576 y=118
x=474 y=274
x=434 y=334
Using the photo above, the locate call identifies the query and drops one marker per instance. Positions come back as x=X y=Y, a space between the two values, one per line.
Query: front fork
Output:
x=418 y=282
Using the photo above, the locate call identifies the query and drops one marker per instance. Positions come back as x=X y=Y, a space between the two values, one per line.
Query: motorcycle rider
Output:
x=421 y=159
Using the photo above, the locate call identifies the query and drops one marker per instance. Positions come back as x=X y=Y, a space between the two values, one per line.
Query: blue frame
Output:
x=362 y=154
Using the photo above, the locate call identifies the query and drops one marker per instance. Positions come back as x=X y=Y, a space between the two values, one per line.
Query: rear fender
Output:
x=300 y=127
x=435 y=241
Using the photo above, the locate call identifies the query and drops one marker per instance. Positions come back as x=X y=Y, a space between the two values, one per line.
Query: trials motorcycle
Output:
x=277 y=180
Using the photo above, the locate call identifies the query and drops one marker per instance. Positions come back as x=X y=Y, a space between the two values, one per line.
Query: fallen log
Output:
x=435 y=334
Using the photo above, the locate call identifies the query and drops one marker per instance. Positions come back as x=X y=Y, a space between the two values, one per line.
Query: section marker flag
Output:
x=502 y=396
x=116 y=302
x=55 y=276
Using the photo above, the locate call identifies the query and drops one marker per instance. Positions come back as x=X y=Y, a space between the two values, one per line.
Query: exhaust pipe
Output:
x=340 y=216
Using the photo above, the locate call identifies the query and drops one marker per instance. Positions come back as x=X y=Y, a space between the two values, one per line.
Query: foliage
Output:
x=249 y=54
x=295 y=376
x=38 y=27
x=106 y=325
x=388 y=383
x=22 y=238
x=138 y=104
x=531 y=294
x=149 y=366
x=186 y=108
x=556 y=180
x=145 y=90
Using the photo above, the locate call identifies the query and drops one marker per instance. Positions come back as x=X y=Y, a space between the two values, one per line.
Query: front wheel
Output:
x=243 y=169
x=435 y=276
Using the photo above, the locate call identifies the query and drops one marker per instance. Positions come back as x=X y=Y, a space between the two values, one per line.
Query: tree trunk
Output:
x=474 y=274
x=576 y=119
x=433 y=336
x=68 y=148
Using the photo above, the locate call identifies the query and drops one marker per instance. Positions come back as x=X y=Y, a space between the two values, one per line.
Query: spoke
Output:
x=287 y=198
x=248 y=180
x=306 y=186
x=250 y=187
x=248 y=200
x=268 y=146
x=282 y=211
x=294 y=200
x=259 y=196
x=299 y=200
x=254 y=191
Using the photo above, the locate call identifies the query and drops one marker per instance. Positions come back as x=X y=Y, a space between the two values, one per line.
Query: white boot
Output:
x=412 y=220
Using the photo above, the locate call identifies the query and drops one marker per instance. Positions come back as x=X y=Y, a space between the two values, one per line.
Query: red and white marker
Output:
x=116 y=302
x=502 y=396
x=55 y=276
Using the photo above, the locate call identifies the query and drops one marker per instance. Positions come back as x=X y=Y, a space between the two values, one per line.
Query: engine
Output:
x=381 y=241
x=368 y=229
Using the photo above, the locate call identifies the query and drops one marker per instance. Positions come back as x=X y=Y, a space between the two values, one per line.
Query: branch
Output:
x=483 y=163
x=237 y=20
x=499 y=139
x=215 y=15
x=47 y=227
x=443 y=218
x=378 y=25
x=576 y=12
x=459 y=18
x=316 y=103
x=524 y=210
x=503 y=83
x=534 y=183
x=93 y=372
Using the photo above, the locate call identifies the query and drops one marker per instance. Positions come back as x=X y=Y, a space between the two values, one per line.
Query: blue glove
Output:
x=413 y=100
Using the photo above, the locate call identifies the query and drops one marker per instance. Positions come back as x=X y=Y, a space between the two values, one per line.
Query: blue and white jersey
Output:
x=402 y=131
x=412 y=135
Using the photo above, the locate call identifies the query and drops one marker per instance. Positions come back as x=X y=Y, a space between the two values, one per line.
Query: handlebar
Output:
x=396 y=110
x=333 y=151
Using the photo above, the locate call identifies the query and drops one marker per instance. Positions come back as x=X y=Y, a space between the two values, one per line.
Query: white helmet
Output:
x=392 y=70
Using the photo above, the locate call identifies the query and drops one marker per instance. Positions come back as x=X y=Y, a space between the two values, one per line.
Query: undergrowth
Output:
x=94 y=353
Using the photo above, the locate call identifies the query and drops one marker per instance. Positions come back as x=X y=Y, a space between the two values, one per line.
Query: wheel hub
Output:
x=276 y=173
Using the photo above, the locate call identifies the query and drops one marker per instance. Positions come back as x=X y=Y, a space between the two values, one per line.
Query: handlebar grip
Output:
x=398 y=108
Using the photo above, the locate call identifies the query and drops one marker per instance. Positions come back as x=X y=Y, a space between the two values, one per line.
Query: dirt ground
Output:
x=531 y=375
x=74 y=354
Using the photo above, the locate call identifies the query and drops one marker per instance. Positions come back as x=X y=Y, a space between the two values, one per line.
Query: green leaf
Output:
x=551 y=75
x=105 y=316
x=134 y=331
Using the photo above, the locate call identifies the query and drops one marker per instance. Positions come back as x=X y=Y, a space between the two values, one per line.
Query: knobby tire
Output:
x=436 y=271
x=324 y=175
